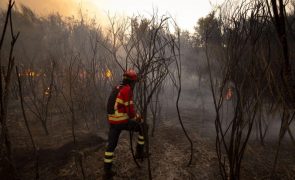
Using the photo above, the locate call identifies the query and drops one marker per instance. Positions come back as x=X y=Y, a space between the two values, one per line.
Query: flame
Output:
x=108 y=74
x=29 y=73
x=47 y=91
x=32 y=73
x=83 y=74
x=229 y=94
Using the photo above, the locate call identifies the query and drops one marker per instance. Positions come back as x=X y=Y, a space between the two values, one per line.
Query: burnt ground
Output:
x=60 y=158
x=169 y=158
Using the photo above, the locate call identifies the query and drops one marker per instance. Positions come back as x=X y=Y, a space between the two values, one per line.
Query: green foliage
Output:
x=208 y=29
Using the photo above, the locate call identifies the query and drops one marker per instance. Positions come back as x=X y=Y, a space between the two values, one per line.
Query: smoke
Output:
x=63 y=7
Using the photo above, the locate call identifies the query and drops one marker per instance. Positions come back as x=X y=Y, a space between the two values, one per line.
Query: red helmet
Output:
x=130 y=74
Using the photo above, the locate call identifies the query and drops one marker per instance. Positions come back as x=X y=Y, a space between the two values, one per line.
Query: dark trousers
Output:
x=114 y=134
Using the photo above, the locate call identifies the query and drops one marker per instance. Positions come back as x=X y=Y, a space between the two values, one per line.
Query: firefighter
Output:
x=122 y=116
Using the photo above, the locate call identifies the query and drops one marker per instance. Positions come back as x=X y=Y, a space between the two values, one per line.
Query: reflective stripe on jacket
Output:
x=124 y=108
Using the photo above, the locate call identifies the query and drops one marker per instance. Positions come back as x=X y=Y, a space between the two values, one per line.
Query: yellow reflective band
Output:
x=140 y=137
x=108 y=160
x=115 y=118
x=128 y=103
x=140 y=142
x=118 y=100
x=108 y=153
x=120 y=114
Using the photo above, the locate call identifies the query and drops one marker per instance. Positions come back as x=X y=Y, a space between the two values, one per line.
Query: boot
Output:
x=108 y=172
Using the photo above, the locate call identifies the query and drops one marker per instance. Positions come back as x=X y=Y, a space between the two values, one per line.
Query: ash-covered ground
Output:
x=60 y=158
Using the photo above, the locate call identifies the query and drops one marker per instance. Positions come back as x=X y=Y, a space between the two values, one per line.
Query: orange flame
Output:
x=47 y=91
x=229 y=94
x=108 y=73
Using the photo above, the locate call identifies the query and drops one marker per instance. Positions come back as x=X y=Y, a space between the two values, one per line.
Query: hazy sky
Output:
x=186 y=12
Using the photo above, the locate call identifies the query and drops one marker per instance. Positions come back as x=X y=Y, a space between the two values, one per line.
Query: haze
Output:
x=186 y=12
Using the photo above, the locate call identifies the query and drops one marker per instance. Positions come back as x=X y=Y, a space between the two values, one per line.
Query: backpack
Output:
x=112 y=99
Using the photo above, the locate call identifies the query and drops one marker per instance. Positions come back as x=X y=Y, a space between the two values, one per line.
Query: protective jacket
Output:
x=120 y=105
